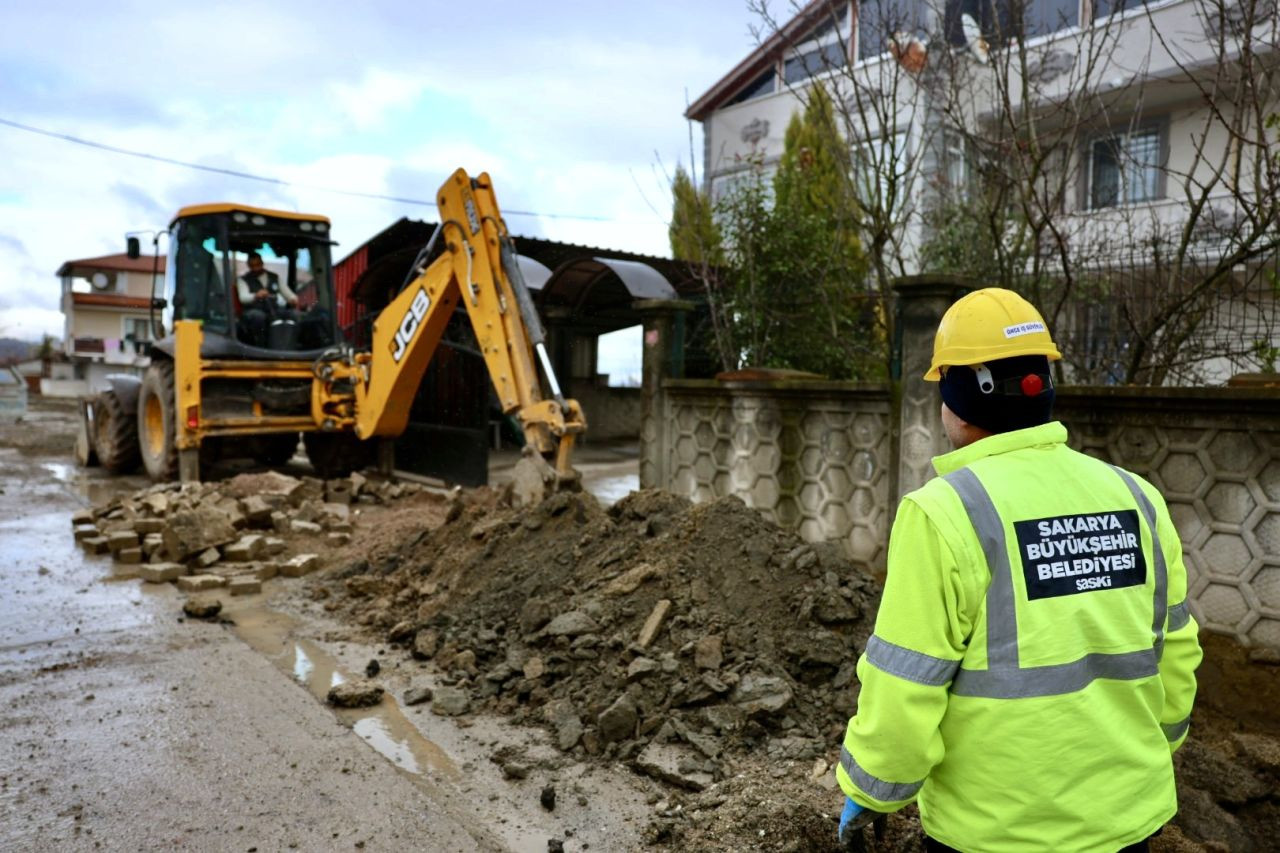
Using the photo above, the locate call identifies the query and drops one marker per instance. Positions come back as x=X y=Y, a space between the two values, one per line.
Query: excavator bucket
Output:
x=533 y=479
x=86 y=454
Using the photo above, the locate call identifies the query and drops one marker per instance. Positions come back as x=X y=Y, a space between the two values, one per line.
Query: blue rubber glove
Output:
x=851 y=811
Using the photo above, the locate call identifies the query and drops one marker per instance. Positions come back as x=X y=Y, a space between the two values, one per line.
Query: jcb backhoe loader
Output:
x=223 y=374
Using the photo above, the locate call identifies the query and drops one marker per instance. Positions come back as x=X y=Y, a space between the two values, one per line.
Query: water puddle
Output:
x=61 y=471
x=384 y=726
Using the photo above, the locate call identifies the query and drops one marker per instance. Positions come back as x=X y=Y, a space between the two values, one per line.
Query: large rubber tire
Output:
x=336 y=454
x=273 y=449
x=115 y=434
x=157 y=422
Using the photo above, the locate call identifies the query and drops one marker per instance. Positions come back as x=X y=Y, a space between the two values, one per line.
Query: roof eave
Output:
x=755 y=62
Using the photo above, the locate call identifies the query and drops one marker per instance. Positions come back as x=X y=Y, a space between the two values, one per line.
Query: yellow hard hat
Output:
x=987 y=325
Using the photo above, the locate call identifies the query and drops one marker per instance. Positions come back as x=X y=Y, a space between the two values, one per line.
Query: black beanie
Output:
x=1002 y=395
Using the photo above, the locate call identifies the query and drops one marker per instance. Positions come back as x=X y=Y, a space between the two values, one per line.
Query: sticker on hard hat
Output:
x=1024 y=329
x=1070 y=554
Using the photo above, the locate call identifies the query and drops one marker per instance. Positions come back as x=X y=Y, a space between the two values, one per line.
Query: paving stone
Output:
x=208 y=557
x=244 y=585
x=297 y=525
x=122 y=539
x=95 y=544
x=83 y=516
x=296 y=567
x=161 y=572
x=337 y=540
x=129 y=556
x=201 y=583
x=244 y=549
x=273 y=545
x=145 y=526
x=85 y=531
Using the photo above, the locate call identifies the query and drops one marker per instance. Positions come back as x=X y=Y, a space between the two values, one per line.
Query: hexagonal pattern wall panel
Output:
x=1219 y=472
x=815 y=463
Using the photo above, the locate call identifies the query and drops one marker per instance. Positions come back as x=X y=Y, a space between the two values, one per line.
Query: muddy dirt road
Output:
x=125 y=726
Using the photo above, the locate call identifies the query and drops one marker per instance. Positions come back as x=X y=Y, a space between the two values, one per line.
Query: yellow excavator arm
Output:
x=371 y=392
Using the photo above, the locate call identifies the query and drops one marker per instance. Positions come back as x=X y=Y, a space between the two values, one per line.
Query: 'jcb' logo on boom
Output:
x=409 y=324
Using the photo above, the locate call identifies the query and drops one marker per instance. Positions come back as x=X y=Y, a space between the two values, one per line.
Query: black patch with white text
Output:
x=1069 y=554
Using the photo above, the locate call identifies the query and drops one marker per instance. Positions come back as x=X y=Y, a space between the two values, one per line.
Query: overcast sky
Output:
x=573 y=108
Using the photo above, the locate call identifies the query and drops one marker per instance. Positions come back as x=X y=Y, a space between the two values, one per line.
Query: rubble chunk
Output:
x=450 y=701
x=357 y=693
x=202 y=607
x=653 y=624
x=192 y=531
x=667 y=763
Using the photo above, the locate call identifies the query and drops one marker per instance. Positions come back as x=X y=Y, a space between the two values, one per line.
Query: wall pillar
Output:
x=663 y=321
x=920 y=303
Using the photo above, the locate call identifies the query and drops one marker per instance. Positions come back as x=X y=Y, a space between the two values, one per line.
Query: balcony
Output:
x=122 y=351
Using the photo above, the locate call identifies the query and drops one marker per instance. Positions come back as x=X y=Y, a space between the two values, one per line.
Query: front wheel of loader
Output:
x=115 y=433
x=157 y=427
x=336 y=454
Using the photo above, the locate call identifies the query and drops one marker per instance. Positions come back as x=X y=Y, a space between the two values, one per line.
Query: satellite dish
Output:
x=100 y=281
x=973 y=40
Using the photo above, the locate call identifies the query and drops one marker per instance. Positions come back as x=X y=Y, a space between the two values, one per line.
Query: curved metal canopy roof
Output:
x=597 y=295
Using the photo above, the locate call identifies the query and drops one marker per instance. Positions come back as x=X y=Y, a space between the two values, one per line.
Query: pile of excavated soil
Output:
x=671 y=636
x=705 y=647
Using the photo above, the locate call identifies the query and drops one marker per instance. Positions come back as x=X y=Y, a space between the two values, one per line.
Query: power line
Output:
x=248 y=176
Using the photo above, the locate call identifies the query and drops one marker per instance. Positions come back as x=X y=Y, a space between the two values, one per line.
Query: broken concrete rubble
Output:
x=358 y=693
x=191 y=531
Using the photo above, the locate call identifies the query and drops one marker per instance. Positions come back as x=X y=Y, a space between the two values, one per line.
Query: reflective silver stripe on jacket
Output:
x=1004 y=678
x=1173 y=731
x=889 y=792
x=1162 y=571
x=911 y=665
x=1178 y=616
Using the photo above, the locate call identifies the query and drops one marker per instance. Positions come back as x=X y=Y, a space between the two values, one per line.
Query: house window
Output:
x=879 y=171
x=137 y=329
x=1107 y=8
x=823 y=50
x=1124 y=168
x=1002 y=20
x=880 y=20
x=955 y=164
x=757 y=88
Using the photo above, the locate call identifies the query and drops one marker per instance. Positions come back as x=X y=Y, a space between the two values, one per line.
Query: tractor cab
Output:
x=259 y=281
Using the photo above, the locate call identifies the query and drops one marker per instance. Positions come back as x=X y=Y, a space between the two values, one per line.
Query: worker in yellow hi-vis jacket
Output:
x=1032 y=667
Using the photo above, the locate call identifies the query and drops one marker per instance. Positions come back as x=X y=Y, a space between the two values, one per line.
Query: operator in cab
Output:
x=263 y=298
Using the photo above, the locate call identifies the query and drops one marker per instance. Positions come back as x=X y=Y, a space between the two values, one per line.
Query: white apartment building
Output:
x=106 y=302
x=1156 y=112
